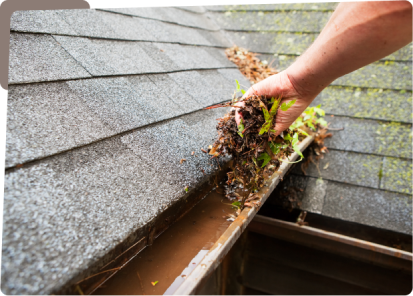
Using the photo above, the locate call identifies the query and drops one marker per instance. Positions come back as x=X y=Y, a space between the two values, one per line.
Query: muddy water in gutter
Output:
x=175 y=252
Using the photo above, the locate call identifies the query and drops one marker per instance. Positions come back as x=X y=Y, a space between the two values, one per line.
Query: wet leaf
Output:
x=265 y=157
x=154 y=283
x=241 y=128
x=286 y=106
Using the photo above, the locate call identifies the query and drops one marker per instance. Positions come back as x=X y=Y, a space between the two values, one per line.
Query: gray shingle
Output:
x=295 y=44
x=170 y=14
x=220 y=56
x=347 y=167
x=149 y=95
x=270 y=7
x=39 y=21
x=165 y=58
x=206 y=87
x=191 y=82
x=115 y=102
x=36 y=58
x=145 y=12
x=85 y=202
x=397 y=175
x=376 y=103
x=192 y=36
x=190 y=57
x=159 y=31
x=188 y=18
x=202 y=58
x=196 y=9
x=179 y=96
x=177 y=54
x=125 y=27
x=281 y=43
x=234 y=74
x=295 y=21
x=87 y=22
x=45 y=119
x=373 y=207
x=396 y=75
x=215 y=38
x=371 y=136
x=104 y=57
x=220 y=90
x=203 y=123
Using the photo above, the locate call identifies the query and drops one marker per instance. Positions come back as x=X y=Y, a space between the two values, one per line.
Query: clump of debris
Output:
x=255 y=149
x=249 y=65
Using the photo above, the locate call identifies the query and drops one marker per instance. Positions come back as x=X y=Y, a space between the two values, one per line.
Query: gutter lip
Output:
x=344 y=239
x=222 y=246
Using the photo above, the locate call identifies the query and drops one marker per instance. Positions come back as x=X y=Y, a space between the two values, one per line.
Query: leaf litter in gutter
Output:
x=255 y=149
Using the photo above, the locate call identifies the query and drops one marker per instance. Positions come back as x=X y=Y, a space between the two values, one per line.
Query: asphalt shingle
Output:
x=115 y=102
x=40 y=21
x=170 y=14
x=295 y=21
x=281 y=43
x=389 y=105
x=371 y=136
x=104 y=57
x=286 y=43
x=277 y=7
x=192 y=83
x=45 y=119
x=206 y=87
x=367 y=206
x=346 y=167
x=397 y=175
x=353 y=203
x=196 y=9
x=215 y=38
x=396 y=75
x=220 y=90
x=85 y=202
x=36 y=58
x=179 y=96
x=87 y=22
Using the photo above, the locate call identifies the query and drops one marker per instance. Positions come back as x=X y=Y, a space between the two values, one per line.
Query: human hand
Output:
x=275 y=86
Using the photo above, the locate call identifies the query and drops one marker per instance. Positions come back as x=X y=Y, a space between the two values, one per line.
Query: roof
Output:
x=366 y=177
x=103 y=105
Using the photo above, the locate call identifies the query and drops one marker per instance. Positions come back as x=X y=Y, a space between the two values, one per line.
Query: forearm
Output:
x=357 y=34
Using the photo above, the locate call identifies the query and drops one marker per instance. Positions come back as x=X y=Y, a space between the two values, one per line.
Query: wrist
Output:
x=307 y=83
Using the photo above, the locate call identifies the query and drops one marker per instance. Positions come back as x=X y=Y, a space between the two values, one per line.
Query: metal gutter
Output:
x=222 y=246
x=335 y=243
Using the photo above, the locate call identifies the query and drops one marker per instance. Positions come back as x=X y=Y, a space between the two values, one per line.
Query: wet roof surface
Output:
x=103 y=105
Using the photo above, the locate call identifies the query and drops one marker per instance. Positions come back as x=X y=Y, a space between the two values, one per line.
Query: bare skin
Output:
x=356 y=35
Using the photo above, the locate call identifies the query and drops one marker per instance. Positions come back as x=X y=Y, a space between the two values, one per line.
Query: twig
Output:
x=113 y=269
x=140 y=282
x=79 y=290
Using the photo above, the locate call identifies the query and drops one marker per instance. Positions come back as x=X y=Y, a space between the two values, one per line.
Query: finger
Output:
x=238 y=115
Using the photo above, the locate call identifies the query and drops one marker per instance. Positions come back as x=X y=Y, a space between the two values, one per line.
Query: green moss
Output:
x=379 y=75
x=397 y=175
x=368 y=103
x=394 y=139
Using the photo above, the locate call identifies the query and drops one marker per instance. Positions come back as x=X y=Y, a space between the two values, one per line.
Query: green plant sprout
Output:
x=241 y=128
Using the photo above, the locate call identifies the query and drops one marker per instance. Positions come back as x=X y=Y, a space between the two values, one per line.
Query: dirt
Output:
x=174 y=252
